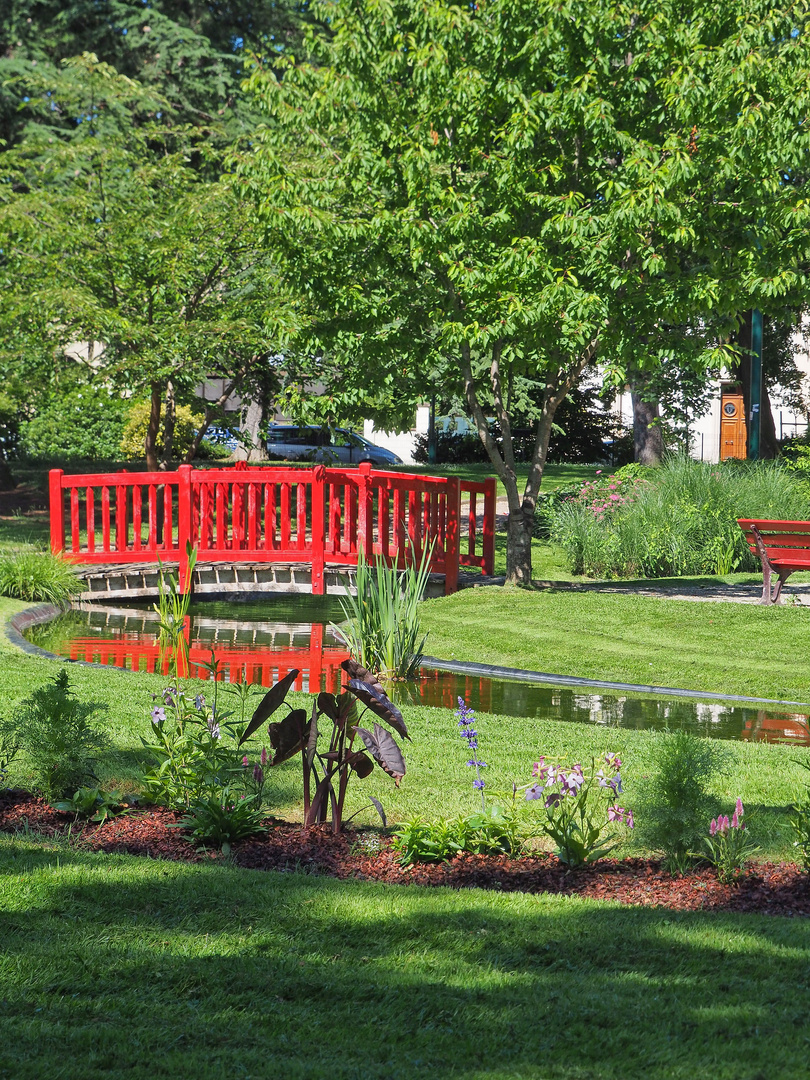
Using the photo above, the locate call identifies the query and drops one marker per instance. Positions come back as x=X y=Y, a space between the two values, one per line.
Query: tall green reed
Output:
x=172 y=609
x=382 y=630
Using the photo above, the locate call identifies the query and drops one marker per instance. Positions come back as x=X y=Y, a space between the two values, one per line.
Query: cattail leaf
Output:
x=374 y=698
x=287 y=736
x=269 y=703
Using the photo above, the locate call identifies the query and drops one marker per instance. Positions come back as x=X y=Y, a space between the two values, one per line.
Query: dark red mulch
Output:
x=769 y=888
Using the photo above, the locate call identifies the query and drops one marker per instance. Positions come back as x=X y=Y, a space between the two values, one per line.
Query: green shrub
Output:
x=678 y=519
x=187 y=424
x=38 y=575
x=78 y=423
x=675 y=804
x=58 y=735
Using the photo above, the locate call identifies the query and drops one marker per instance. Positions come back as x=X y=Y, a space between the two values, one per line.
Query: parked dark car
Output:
x=332 y=447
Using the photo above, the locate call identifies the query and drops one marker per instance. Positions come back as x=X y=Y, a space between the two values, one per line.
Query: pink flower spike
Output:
x=739 y=810
x=245 y=761
x=264 y=757
x=713 y=827
x=735 y=821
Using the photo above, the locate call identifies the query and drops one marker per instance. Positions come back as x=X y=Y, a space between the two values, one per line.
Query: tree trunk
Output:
x=169 y=421
x=252 y=418
x=152 y=428
x=768 y=445
x=648 y=436
x=521 y=510
x=519 y=547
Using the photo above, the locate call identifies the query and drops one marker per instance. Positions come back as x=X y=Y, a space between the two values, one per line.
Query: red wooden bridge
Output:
x=315 y=516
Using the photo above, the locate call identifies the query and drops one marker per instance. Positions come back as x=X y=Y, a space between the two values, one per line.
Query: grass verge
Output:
x=147 y=969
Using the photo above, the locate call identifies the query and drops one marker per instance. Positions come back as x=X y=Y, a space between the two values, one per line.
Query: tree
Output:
x=192 y=52
x=510 y=189
x=112 y=235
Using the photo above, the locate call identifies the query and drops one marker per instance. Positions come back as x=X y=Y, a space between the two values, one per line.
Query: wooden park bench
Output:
x=783 y=548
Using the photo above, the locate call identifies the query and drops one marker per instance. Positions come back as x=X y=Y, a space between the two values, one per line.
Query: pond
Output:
x=260 y=642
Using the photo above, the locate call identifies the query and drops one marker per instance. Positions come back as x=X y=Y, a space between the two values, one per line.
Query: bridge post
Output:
x=57 y=510
x=365 y=518
x=451 y=539
x=318 y=531
x=184 y=518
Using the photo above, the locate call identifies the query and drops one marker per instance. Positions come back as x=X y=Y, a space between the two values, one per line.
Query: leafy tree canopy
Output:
x=507 y=190
x=112 y=235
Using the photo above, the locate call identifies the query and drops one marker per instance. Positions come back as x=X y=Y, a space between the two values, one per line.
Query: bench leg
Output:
x=766 y=583
x=777 y=593
x=768 y=597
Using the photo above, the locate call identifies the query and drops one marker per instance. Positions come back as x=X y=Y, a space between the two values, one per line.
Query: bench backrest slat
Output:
x=785 y=541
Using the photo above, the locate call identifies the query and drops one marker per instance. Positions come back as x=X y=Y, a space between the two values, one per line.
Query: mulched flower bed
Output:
x=769 y=888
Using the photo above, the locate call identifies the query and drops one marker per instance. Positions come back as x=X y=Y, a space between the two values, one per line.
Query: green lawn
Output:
x=114 y=966
x=727 y=648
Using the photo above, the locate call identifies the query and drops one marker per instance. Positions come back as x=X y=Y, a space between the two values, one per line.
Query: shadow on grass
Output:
x=156 y=970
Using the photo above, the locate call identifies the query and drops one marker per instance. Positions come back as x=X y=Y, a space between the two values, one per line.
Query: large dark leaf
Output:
x=378 y=806
x=328 y=705
x=357 y=671
x=375 y=698
x=349 y=713
x=312 y=741
x=361 y=763
x=269 y=703
x=287 y=736
x=383 y=748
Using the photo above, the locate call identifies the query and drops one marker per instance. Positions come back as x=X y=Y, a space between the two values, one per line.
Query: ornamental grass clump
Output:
x=382 y=628
x=38 y=576
x=580 y=807
x=680 y=518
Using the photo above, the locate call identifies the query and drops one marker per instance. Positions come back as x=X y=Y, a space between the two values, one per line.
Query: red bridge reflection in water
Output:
x=319 y=665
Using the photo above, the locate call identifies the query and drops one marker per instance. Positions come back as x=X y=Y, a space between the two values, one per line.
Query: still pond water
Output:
x=260 y=642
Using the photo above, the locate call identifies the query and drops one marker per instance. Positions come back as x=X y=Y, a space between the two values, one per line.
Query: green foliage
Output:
x=84 y=421
x=133 y=433
x=382 y=628
x=223 y=818
x=95 y=804
x=493 y=831
x=680 y=519
x=727 y=847
x=59 y=736
x=196 y=755
x=488 y=197
x=676 y=805
x=38 y=575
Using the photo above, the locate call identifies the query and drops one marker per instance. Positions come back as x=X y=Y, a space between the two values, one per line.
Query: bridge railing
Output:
x=318 y=516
